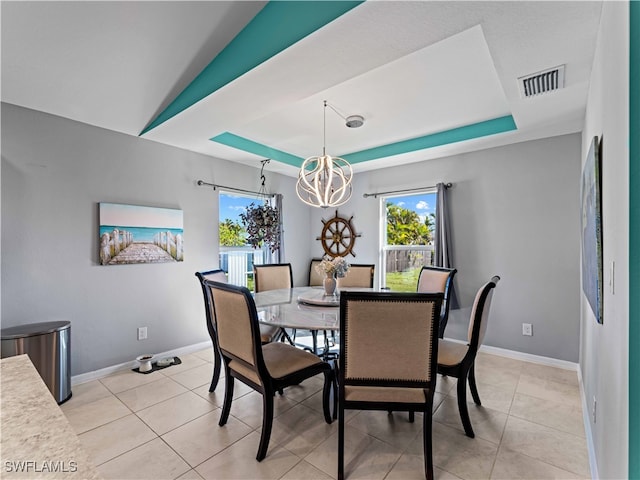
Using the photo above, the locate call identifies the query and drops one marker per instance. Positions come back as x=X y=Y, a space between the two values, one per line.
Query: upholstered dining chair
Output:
x=272 y=276
x=359 y=275
x=265 y=368
x=438 y=279
x=401 y=375
x=216 y=276
x=458 y=360
x=268 y=333
x=315 y=277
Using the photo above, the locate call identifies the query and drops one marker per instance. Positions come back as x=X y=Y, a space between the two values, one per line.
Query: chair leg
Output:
x=228 y=397
x=267 y=423
x=462 y=405
x=427 y=442
x=341 y=443
x=284 y=336
x=217 y=363
x=412 y=416
x=326 y=394
x=336 y=372
x=472 y=384
x=314 y=337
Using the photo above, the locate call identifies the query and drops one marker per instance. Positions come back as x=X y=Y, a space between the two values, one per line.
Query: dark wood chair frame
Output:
x=217 y=359
x=270 y=385
x=366 y=265
x=428 y=387
x=270 y=265
x=466 y=368
x=312 y=265
x=446 y=303
x=282 y=335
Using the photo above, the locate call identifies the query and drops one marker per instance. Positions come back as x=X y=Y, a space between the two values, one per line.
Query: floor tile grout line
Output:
x=564 y=469
x=296 y=402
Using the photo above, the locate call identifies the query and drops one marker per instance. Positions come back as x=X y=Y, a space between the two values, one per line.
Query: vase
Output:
x=329 y=284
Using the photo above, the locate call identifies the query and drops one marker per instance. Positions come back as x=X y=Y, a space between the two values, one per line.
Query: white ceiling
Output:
x=412 y=69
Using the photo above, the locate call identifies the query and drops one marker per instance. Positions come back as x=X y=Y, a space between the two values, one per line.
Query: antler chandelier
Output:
x=324 y=181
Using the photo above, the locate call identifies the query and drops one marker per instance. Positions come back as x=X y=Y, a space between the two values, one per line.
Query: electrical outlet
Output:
x=593 y=413
x=142 y=333
x=527 y=329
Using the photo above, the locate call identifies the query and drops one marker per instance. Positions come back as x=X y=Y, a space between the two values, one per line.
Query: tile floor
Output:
x=165 y=425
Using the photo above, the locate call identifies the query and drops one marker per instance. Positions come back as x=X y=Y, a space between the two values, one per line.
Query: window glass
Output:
x=236 y=257
x=407 y=231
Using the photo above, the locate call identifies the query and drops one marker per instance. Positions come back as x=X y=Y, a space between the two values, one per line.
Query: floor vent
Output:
x=542 y=82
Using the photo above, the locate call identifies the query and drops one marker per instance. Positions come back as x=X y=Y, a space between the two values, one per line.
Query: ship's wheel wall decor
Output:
x=338 y=236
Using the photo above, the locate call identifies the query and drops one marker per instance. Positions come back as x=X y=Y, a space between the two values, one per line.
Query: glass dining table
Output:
x=304 y=308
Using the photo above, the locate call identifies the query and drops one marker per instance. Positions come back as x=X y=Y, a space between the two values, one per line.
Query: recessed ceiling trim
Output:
x=246 y=145
x=454 y=135
x=260 y=40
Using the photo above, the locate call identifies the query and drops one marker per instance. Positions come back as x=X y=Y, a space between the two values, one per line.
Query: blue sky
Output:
x=232 y=205
x=423 y=204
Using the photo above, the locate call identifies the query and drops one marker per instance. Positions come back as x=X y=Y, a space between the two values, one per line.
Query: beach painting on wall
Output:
x=136 y=234
x=592 y=230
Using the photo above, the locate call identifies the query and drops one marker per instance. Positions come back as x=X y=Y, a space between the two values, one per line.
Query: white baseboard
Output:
x=526 y=357
x=103 y=372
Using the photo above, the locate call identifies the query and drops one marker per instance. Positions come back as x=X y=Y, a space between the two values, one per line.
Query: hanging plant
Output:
x=262 y=223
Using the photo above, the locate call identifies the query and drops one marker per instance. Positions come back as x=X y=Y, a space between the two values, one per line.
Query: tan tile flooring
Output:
x=165 y=425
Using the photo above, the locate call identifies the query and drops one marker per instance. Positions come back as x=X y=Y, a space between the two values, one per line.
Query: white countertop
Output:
x=36 y=439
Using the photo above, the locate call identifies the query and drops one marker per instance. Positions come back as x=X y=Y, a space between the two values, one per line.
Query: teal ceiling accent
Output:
x=250 y=146
x=276 y=27
x=460 y=134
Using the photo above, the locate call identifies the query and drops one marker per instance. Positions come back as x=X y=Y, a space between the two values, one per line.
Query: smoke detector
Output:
x=354 y=121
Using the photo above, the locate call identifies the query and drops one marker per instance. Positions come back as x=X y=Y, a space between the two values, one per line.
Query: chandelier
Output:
x=324 y=181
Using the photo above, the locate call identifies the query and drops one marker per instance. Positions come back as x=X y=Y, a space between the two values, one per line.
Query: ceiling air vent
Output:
x=542 y=82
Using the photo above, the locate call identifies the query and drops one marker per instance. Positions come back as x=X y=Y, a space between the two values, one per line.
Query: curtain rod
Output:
x=234 y=189
x=378 y=194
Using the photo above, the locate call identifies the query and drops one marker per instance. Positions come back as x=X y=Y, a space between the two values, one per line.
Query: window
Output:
x=407 y=230
x=236 y=257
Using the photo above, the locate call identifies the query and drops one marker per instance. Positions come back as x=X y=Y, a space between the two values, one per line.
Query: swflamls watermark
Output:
x=33 y=466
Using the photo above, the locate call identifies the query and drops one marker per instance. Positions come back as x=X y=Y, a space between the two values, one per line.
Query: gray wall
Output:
x=54 y=173
x=515 y=213
x=605 y=353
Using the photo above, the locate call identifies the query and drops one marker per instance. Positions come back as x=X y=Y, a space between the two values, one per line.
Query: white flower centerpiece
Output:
x=332 y=268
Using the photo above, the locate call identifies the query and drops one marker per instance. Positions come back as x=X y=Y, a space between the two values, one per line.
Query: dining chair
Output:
x=458 y=360
x=216 y=276
x=402 y=329
x=359 y=275
x=272 y=276
x=315 y=277
x=268 y=333
x=438 y=279
x=265 y=368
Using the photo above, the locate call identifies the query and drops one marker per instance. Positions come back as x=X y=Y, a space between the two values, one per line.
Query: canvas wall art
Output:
x=592 y=230
x=136 y=234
